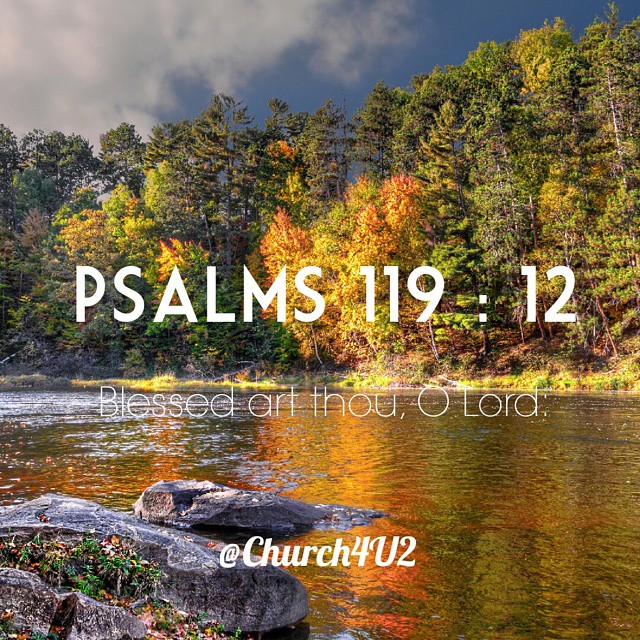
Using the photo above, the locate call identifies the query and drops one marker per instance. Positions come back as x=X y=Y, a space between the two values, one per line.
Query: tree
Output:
x=430 y=92
x=9 y=163
x=444 y=172
x=376 y=124
x=325 y=146
x=222 y=147
x=501 y=192
x=67 y=161
x=173 y=189
x=287 y=245
x=121 y=156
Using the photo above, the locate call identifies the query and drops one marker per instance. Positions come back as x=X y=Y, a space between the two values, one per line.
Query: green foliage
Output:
x=121 y=156
x=325 y=148
x=105 y=569
x=376 y=125
x=134 y=365
x=527 y=153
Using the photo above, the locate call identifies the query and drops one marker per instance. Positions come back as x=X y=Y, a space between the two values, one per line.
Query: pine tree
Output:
x=121 y=155
x=444 y=172
x=376 y=124
x=67 y=161
x=222 y=143
x=9 y=163
x=325 y=146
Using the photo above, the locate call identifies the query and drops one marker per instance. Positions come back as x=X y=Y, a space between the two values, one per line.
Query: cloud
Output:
x=87 y=65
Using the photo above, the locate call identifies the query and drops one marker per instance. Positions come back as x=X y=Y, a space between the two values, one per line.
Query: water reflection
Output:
x=525 y=527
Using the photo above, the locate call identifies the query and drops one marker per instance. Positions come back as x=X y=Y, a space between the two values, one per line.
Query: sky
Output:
x=84 y=66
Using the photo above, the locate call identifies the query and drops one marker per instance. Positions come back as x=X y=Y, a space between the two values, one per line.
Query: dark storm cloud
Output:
x=86 y=65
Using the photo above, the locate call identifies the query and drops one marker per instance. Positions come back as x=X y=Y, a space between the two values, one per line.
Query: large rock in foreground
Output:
x=256 y=599
x=32 y=603
x=37 y=607
x=190 y=503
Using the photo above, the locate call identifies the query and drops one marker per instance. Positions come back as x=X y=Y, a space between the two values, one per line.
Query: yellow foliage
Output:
x=187 y=256
x=87 y=239
x=376 y=226
x=284 y=244
x=538 y=50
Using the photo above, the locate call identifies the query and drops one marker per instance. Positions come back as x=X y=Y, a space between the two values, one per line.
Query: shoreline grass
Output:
x=625 y=377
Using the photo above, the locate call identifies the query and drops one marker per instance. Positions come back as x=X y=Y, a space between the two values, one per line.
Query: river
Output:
x=525 y=527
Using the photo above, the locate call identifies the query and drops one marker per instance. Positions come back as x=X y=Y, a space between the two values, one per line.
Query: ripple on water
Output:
x=525 y=528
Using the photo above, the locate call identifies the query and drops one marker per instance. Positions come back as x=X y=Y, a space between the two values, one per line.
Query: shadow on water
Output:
x=525 y=527
x=300 y=632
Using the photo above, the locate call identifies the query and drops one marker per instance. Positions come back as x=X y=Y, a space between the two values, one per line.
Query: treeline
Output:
x=526 y=154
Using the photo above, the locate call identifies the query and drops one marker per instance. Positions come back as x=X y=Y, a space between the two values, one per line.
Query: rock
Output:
x=90 y=619
x=256 y=599
x=190 y=503
x=37 y=607
x=32 y=603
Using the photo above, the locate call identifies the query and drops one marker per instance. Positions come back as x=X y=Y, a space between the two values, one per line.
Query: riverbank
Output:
x=523 y=366
x=537 y=364
x=624 y=376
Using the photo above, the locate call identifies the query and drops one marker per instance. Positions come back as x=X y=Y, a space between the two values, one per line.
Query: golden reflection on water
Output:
x=525 y=527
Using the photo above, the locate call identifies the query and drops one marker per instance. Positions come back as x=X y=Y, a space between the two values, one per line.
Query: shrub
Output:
x=105 y=569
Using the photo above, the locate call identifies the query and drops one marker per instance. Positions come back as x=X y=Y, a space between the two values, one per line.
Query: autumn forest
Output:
x=528 y=153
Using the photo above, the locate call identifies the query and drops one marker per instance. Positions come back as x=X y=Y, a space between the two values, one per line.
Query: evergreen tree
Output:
x=67 y=161
x=376 y=124
x=444 y=172
x=223 y=145
x=121 y=156
x=326 y=145
x=9 y=164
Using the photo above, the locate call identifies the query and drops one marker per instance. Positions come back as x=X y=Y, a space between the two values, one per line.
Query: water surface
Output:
x=526 y=528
